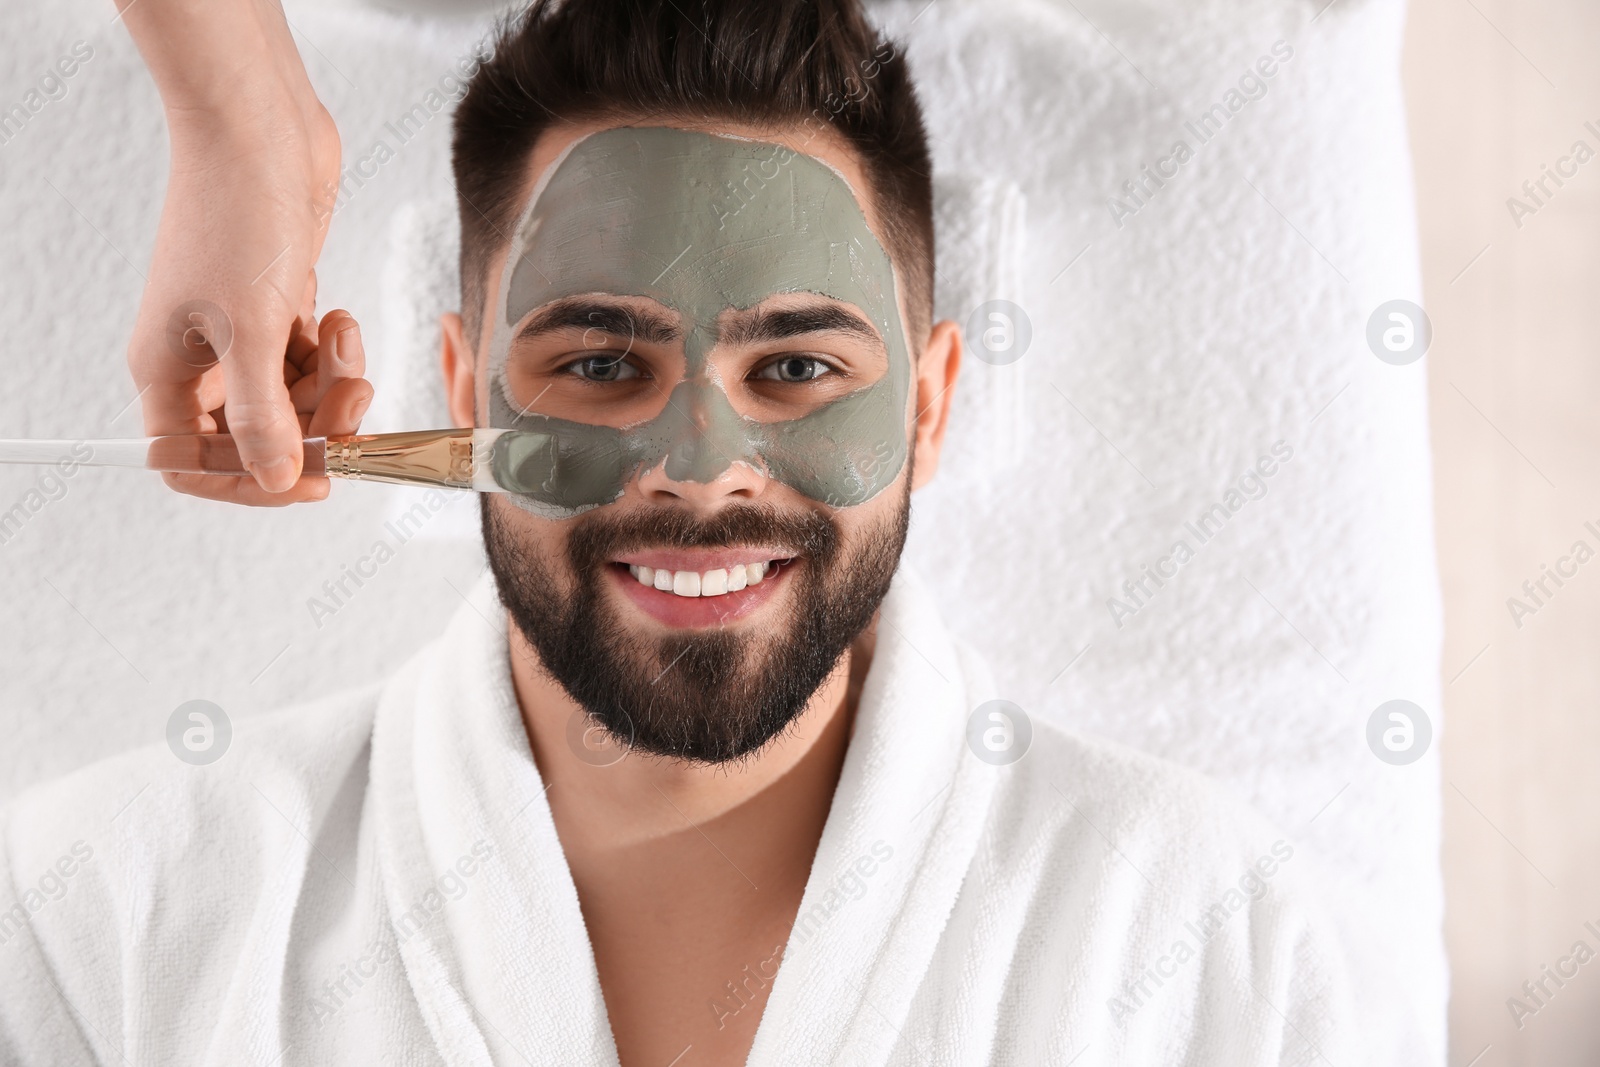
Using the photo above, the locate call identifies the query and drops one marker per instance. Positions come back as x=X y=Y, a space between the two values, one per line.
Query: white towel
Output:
x=1188 y=339
x=377 y=878
x=1171 y=349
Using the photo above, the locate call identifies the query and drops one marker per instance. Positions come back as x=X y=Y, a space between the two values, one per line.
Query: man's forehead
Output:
x=719 y=155
x=694 y=220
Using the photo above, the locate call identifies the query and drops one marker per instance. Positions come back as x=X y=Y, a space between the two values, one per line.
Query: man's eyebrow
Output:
x=767 y=326
x=582 y=313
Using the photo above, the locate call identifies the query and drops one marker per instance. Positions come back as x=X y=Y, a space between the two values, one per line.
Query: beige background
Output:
x=1497 y=89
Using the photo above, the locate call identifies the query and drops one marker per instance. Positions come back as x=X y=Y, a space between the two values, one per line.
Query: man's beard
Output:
x=708 y=695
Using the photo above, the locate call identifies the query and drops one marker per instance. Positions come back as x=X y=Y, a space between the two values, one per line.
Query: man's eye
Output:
x=794 y=369
x=604 y=369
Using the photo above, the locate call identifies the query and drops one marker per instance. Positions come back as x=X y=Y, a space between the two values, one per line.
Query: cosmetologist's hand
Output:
x=227 y=329
x=323 y=368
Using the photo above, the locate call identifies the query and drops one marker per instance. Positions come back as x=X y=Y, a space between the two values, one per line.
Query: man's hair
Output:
x=770 y=64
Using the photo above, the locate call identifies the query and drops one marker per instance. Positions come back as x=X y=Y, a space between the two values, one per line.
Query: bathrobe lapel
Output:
x=504 y=974
x=863 y=941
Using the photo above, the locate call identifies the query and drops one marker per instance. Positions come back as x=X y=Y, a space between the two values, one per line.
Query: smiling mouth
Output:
x=715 y=582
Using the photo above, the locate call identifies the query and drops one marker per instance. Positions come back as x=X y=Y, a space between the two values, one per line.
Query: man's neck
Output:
x=689 y=876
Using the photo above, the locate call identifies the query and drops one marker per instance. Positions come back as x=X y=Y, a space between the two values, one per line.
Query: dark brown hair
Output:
x=770 y=64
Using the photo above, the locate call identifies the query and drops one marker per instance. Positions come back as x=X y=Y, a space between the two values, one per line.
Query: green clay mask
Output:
x=701 y=224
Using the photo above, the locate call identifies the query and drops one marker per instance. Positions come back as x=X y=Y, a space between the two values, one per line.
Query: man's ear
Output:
x=937 y=368
x=460 y=370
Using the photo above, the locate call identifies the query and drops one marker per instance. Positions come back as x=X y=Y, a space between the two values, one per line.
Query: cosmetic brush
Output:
x=463 y=458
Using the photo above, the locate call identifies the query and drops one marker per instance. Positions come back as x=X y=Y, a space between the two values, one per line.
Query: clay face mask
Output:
x=701 y=224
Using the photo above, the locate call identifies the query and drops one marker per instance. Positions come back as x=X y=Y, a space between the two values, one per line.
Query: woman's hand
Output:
x=322 y=371
x=227 y=331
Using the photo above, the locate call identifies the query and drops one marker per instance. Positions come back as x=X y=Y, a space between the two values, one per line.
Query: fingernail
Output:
x=361 y=409
x=274 y=475
x=343 y=346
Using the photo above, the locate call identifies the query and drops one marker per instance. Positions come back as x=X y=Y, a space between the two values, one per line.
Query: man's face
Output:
x=712 y=331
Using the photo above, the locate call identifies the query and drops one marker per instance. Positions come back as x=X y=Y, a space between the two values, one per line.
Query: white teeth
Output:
x=695 y=583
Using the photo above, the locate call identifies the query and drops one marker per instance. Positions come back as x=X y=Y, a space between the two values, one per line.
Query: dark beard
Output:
x=711 y=695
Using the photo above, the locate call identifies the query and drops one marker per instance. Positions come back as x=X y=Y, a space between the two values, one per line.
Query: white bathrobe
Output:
x=376 y=878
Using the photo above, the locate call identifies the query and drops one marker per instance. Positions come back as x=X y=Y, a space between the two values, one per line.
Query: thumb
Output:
x=259 y=413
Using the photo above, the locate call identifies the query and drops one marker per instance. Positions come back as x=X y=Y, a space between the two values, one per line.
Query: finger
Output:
x=329 y=361
x=210 y=393
x=340 y=355
x=175 y=407
x=258 y=410
x=301 y=353
x=342 y=409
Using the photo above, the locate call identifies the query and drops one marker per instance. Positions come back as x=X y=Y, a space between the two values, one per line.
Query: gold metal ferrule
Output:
x=422 y=457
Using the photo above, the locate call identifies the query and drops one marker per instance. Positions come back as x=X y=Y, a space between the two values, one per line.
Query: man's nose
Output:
x=738 y=481
x=705 y=455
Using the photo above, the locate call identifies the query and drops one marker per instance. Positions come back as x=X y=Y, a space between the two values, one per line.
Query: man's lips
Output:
x=735 y=582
